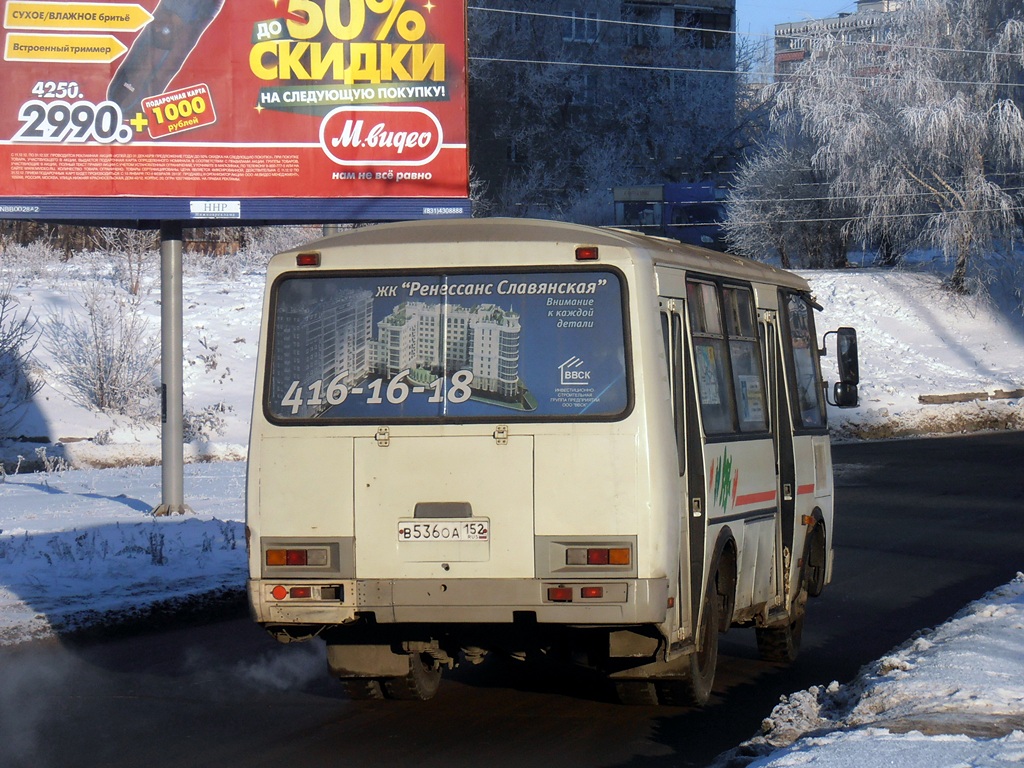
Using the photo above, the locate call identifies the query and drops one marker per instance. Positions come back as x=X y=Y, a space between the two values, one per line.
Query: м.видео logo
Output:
x=381 y=136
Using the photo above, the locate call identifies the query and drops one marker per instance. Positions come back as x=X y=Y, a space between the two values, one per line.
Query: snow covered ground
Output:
x=77 y=540
x=952 y=696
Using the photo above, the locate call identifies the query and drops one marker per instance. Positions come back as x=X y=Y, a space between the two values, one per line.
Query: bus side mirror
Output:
x=849 y=367
x=845 y=393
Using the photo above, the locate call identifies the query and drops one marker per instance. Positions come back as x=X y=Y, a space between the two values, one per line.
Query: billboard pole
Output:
x=171 y=374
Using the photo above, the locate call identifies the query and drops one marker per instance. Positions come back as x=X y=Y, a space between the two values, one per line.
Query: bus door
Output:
x=782 y=437
x=804 y=462
x=740 y=496
x=692 y=523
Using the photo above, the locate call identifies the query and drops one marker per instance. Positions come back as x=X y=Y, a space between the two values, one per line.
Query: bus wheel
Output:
x=815 y=578
x=640 y=693
x=363 y=688
x=420 y=684
x=694 y=688
x=782 y=644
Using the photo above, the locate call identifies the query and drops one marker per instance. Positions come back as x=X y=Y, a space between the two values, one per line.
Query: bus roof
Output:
x=662 y=251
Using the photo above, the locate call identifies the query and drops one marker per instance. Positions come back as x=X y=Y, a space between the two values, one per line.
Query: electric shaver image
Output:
x=160 y=51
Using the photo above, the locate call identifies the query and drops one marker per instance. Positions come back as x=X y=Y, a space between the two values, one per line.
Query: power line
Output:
x=846 y=219
x=838 y=198
x=673 y=27
x=638 y=67
x=706 y=71
x=735 y=33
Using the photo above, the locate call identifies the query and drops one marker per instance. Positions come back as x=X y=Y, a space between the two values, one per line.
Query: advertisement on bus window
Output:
x=508 y=347
x=269 y=109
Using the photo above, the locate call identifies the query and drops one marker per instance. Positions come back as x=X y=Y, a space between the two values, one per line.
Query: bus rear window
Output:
x=449 y=346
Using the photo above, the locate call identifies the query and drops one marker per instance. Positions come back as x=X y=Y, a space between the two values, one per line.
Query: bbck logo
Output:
x=572 y=372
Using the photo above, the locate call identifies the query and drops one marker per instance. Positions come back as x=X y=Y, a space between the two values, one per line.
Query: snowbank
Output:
x=953 y=695
x=80 y=547
x=918 y=341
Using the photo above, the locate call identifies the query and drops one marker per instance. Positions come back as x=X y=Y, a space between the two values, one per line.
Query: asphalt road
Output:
x=923 y=527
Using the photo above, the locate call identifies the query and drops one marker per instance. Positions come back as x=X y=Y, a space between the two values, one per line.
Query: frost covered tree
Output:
x=919 y=137
x=780 y=205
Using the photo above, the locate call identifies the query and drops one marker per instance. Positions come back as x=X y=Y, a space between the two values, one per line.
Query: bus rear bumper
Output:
x=492 y=601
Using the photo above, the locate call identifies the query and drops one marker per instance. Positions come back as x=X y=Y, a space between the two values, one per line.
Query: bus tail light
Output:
x=592 y=593
x=586 y=253
x=311 y=259
x=316 y=557
x=560 y=594
x=598 y=556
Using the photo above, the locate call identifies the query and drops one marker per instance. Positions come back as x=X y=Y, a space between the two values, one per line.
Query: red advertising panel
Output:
x=255 y=110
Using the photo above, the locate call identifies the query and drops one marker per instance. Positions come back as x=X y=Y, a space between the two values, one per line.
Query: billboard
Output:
x=233 y=110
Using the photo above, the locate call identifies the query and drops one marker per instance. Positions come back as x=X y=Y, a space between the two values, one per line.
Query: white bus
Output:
x=529 y=437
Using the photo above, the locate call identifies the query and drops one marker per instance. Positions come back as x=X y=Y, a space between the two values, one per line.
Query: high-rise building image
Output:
x=483 y=339
x=317 y=341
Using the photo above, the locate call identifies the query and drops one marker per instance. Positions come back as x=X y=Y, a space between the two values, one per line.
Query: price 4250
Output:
x=59 y=122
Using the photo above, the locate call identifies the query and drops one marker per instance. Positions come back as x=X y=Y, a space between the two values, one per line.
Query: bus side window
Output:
x=710 y=359
x=679 y=390
x=802 y=351
x=672 y=335
x=745 y=356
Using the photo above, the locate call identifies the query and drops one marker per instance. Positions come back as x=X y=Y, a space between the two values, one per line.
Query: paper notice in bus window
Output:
x=751 y=400
x=429 y=346
x=707 y=375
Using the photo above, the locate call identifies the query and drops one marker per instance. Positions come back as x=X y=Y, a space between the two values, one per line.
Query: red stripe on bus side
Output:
x=805 y=489
x=755 y=498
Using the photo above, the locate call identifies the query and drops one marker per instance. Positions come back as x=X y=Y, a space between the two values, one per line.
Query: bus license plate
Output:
x=444 y=530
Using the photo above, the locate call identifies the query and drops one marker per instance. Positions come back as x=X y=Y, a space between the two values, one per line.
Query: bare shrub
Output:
x=18 y=338
x=206 y=424
x=130 y=252
x=105 y=356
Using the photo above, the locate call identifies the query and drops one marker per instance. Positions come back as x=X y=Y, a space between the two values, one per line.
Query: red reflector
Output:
x=279 y=592
x=560 y=594
x=295 y=557
x=592 y=592
x=597 y=557
x=307 y=260
x=300 y=592
x=586 y=253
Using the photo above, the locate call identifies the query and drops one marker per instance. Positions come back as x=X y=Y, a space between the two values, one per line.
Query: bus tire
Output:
x=363 y=688
x=420 y=684
x=816 y=561
x=782 y=643
x=693 y=689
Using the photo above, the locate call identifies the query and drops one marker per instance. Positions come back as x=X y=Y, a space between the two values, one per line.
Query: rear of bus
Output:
x=449 y=453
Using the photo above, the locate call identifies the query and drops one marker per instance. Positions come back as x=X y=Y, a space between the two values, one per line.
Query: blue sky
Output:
x=759 y=17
